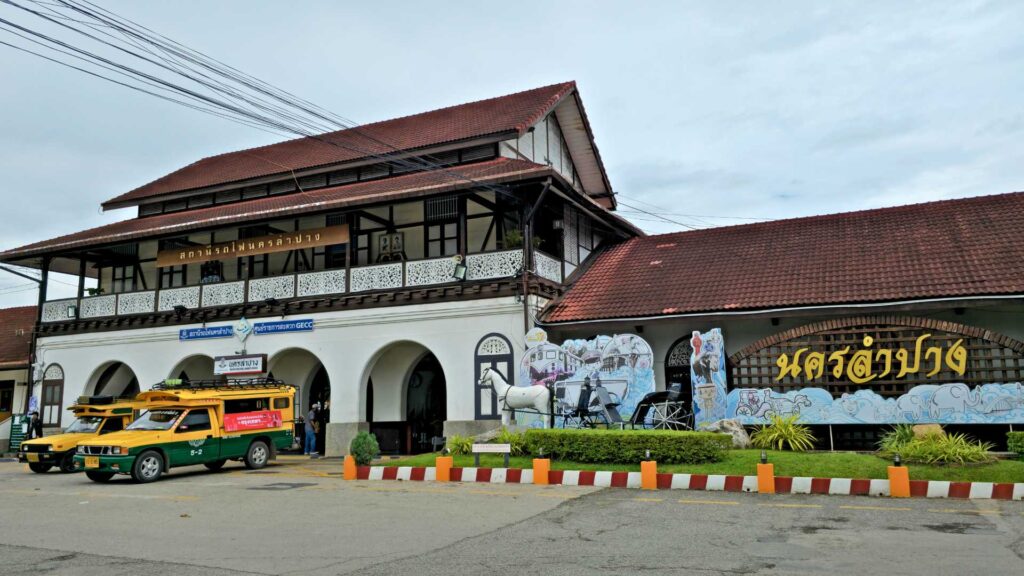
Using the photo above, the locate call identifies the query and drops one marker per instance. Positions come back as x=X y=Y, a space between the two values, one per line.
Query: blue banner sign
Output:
x=204 y=333
x=303 y=325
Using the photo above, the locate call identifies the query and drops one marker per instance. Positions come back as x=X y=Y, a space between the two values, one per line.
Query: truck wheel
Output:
x=215 y=465
x=67 y=463
x=99 y=476
x=148 y=467
x=39 y=467
x=257 y=455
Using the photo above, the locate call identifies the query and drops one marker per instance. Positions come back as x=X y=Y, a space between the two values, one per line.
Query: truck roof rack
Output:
x=227 y=384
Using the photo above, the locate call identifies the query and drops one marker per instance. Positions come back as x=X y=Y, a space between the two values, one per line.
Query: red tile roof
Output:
x=386 y=189
x=968 y=247
x=16 y=326
x=514 y=112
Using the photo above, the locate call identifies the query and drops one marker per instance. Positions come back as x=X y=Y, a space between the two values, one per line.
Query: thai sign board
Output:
x=205 y=333
x=931 y=398
x=269 y=244
x=240 y=365
x=252 y=420
x=867 y=364
x=303 y=325
x=258 y=328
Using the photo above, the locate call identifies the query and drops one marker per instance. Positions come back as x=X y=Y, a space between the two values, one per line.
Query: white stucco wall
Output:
x=348 y=343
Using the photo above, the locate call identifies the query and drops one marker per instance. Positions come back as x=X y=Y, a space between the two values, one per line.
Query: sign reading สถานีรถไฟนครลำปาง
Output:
x=277 y=327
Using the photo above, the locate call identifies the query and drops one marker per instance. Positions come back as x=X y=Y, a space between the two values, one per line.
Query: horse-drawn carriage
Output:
x=665 y=410
x=586 y=404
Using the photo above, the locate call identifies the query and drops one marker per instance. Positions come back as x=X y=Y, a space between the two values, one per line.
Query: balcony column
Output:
x=81 y=278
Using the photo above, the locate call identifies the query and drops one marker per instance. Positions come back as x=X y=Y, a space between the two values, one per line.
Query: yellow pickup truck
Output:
x=190 y=423
x=95 y=416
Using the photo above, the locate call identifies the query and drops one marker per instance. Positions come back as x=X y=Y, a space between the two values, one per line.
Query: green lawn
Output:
x=743 y=462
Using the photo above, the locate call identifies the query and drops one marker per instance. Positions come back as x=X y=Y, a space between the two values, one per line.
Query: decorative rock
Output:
x=925 y=430
x=740 y=439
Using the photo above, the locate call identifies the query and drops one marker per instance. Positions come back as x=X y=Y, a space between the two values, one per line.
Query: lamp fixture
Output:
x=272 y=302
x=180 y=310
x=72 y=311
x=459 y=272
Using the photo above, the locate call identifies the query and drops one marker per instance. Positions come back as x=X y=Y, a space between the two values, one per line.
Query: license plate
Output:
x=92 y=461
x=32 y=457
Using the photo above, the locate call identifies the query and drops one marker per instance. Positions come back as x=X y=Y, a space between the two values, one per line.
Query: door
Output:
x=195 y=440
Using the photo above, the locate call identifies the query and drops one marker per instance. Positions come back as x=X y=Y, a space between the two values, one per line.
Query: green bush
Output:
x=628 y=446
x=783 y=432
x=460 y=445
x=517 y=441
x=1015 y=442
x=938 y=449
x=364 y=448
x=896 y=438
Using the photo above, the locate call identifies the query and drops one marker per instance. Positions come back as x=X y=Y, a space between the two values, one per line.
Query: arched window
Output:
x=493 y=351
x=677 y=367
x=52 y=395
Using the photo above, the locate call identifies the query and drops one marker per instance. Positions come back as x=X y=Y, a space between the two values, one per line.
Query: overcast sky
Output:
x=729 y=111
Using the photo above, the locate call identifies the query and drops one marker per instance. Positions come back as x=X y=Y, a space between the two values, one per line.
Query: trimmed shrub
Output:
x=628 y=446
x=1015 y=443
x=896 y=438
x=783 y=432
x=364 y=448
x=460 y=445
x=517 y=440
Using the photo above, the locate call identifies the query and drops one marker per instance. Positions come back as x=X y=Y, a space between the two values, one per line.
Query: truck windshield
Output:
x=155 y=420
x=85 y=424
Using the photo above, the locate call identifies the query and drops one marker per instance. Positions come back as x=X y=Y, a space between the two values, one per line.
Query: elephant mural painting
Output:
x=926 y=403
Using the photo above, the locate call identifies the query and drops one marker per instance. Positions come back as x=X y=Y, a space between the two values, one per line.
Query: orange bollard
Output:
x=350 y=468
x=899 y=482
x=541 y=466
x=649 y=475
x=766 y=478
x=443 y=468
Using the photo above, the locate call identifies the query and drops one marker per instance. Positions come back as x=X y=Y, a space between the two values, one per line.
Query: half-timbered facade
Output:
x=373 y=266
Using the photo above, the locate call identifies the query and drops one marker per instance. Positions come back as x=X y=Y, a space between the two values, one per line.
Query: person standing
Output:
x=309 y=448
x=36 y=426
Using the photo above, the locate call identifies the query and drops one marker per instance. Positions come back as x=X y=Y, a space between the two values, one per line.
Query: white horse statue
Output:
x=515 y=397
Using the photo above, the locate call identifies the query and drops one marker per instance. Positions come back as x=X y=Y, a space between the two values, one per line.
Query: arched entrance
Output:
x=406 y=398
x=302 y=369
x=113 y=379
x=677 y=368
x=194 y=368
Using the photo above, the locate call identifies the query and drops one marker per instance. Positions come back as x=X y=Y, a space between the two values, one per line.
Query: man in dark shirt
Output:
x=309 y=447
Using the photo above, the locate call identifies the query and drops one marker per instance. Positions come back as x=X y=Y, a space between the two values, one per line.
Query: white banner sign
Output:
x=240 y=365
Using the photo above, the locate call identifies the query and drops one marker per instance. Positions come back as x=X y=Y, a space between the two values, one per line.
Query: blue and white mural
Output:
x=623 y=364
x=926 y=403
x=707 y=375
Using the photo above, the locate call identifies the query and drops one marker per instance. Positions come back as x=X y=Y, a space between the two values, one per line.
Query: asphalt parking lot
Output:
x=300 y=517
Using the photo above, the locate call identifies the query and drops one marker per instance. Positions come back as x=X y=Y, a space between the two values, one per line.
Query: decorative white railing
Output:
x=547 y=267
x=224 y=293
x=319 y=283
x=362 y=279
x=279 y=287
x=381 y=277
x=98 y=306
x=171 y=297
x=426 y=272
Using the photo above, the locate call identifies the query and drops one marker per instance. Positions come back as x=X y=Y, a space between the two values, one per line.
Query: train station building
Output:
x=356 y=268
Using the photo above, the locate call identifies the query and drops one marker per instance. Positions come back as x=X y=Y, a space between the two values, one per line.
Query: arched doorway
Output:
x=113 y=379
x=677 y=368
x=193 y=369
x=406 y=398
x=426 y=404
x=302 y=369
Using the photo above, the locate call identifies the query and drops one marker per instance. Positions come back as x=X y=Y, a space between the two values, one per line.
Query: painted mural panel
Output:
x=926 y=403
x=708 y=377
x=623 y=364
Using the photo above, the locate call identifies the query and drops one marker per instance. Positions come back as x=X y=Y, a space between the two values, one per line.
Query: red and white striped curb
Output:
x=709 y=482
